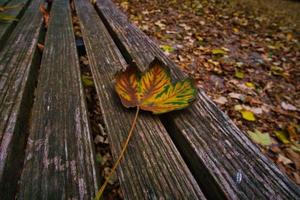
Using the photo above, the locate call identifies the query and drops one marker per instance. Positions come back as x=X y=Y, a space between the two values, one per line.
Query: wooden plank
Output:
x=152 y=167
x=6 y=27
x=59 y=160
x=18 y=71
x=224 y=161
x=3 y=2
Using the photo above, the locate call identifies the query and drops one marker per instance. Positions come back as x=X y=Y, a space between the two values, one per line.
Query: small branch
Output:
x=100 y=192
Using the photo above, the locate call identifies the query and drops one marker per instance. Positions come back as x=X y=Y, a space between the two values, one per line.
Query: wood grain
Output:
x=152 y=167
x=18 y=71
x=226 y=164
x=3 y=2
x=7 y=26
x=59 y=160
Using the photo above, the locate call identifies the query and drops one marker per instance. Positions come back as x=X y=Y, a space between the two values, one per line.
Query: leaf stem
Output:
x=100 y=192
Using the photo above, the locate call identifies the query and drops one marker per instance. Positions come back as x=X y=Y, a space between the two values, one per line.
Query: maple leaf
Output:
x=153 y=90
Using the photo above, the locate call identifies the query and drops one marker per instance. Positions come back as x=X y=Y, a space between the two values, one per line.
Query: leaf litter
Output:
x=247 y=61
x=103 y=154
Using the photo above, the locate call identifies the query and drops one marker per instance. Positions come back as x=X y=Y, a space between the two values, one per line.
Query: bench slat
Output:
x=6 y=27
x=59 y=160
x=2 y=2
x=17 y=77
x=224 y=161
x=152 y=167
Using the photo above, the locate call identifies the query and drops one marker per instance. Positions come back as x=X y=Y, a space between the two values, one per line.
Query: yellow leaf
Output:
x=167 y=48
x=235 y=30
x=153 y=90
x=87 y=80
x=218 y=52
x=250 y=85
x=282 y=137
x=239 y=74
x=248 y=115
x=278 y=71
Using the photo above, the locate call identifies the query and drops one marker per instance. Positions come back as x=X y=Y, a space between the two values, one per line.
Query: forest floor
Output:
x=246 y=56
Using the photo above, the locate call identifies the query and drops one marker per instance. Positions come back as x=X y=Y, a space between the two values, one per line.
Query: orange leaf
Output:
x=45 y=13
x=126 y=87
x=153 y=90
x=40 y=46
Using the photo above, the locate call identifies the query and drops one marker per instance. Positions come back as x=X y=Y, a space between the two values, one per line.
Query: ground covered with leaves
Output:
x=245 y=59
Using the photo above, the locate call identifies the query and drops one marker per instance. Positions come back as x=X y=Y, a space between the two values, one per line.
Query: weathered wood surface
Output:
x=17 y=77
x=59 y=161
x=3 y=2
x=224 y=161
x=152 y=167
x=7 y=26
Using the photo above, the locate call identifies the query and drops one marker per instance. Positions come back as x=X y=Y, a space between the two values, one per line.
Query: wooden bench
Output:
x=5 y=28
x=46 y=147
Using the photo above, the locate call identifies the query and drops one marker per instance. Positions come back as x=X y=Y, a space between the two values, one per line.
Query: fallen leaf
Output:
x=248 y=115
x=256 y=111
x=237 y=96
x=282 y=137
x=45 y=13
x=250 y=85
x=221 y=100
x=238 y=107
x=235 y=30
x=98 y=158
x=167 y=48
x=284 y=160
x=296 y=148
x=278 y=71
x=186 y=27
x=287 y=106
x=153 y=90
x=218 y=52
x=289 y=36
x=239 y=74
x=293 y=156
x=291 y=128
x=263 y=139
x=87 y=80
x=160 y=24
x=40 y=46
